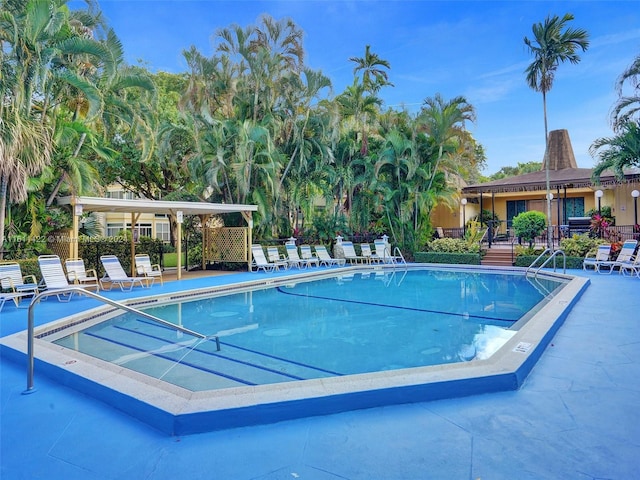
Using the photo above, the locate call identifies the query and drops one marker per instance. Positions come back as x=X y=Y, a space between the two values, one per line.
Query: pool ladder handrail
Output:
x=397 y=253
x=553 y=255
x=83 y=291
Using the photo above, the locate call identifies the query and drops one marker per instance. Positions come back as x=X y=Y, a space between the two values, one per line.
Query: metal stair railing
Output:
x=82 y=291
x=553 y=256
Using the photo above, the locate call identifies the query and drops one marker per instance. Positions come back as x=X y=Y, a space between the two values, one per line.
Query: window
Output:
x=120 y=194
x=114 y=229
x=142 y=230
x=574 y=207
x=162 y=231
x=515 y=208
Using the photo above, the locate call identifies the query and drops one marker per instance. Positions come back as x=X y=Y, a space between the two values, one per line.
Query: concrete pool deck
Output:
x=575 y=417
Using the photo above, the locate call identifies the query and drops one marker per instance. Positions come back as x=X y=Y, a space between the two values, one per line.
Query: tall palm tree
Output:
x=26 y=30
x=628 y=106
x=553 y=43
x=374 y=75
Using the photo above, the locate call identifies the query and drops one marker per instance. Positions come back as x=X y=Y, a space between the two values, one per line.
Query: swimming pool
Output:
x=175 y=409
x=329 y=327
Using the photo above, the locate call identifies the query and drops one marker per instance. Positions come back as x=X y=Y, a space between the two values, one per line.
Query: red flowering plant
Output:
x=599 y=225
x=600 y=228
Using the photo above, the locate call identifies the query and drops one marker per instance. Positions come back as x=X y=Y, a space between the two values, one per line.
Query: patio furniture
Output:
x=146 y=269
x=54 y=277
x=274 y=256
x=308 y=256
x=351 y=255
x=115 y=275
x=11 y=279
x=260 y=262
x=78 y=274
x=326 y=259
x=293 y=258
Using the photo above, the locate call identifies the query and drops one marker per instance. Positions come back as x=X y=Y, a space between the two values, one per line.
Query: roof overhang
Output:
x=574 y=178
x=97 y=204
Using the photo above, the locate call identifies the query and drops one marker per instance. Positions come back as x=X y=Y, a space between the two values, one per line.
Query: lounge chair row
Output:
x=16 y=287
x=627 y=260
x=318 y=255
x=274 y=260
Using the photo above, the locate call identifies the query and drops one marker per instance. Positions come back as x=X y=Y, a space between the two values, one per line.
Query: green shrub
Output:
x=447 y=257
x=580 y=245
x=528 y=225
x=526 y=260
x=453 y=245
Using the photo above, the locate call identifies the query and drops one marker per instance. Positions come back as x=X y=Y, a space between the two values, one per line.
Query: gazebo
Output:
x=178 y=209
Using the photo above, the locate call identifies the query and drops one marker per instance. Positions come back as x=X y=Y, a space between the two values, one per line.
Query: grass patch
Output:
x=171 y=260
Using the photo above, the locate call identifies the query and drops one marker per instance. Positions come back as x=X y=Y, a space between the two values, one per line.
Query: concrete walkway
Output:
x=576 y=417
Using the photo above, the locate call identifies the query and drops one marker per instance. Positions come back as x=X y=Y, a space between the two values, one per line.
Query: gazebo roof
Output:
x=97 y=204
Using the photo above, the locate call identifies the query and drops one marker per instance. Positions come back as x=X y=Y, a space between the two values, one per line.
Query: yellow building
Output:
x=148 y=225
x=572 y=194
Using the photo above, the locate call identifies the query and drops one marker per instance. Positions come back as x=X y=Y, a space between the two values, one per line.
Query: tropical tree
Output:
x=520 y=169
x=444 y=122
x=27 y=45
x=553 y=43
x=618 y=152
x=374 y=73
x=627 y=108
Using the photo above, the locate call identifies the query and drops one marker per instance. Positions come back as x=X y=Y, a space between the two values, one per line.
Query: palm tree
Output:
x=356 y=104
x=553 y=43
x=628 y=106
x=373 y=75
x=25 y=137
x=444 y=122
x=617 y=152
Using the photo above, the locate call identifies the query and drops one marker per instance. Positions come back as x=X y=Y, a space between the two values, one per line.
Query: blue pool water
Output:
x=323 y=328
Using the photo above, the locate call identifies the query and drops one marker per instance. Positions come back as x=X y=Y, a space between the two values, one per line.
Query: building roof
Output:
x=563 y=172
x=565 y=178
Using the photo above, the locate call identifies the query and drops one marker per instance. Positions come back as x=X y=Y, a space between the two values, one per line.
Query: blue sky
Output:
x=469 y=48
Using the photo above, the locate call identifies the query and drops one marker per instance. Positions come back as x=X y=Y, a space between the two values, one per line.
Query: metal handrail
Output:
x=553 y=256
x=82 y=291
x=398 y=253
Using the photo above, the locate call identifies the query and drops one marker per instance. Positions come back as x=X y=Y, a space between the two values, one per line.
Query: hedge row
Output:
x=451 y=258
x=90 y=249
x=526 y=260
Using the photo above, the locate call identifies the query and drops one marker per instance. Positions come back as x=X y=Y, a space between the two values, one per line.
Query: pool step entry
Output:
x=190 y=362
x=71 y=290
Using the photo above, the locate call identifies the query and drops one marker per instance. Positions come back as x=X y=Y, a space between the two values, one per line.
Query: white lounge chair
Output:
x=53 y=276
x=383 y=251
x=79 y=275
x=293 y=257
x=15 y=296
x=368 y=254
x=11 y=278
x=350 y=253
x=600 y=260
x=308 y=256
x=325 y=259
x=146 y=269
x=633 y=268
x=260 y=262
x=115 y=275
x=626 y=255
x=274 y=256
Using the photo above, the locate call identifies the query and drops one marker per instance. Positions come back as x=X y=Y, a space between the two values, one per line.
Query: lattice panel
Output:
x=227 y=244
x=60 y=244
